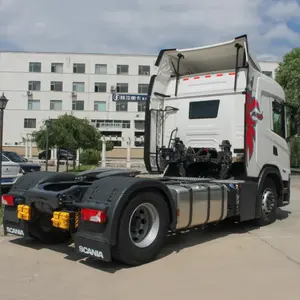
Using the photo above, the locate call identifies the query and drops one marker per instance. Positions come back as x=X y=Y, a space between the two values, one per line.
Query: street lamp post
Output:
x=48 y=123
x=3 y=102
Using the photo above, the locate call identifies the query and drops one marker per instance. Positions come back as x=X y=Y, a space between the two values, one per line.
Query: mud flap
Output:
x=13 y=225
x=248 y=201
x=91 y=246
x=18 y=229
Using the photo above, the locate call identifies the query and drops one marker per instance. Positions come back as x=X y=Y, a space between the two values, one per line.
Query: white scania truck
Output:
x=215 y=148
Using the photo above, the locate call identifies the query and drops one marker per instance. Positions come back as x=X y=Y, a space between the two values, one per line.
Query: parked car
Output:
x=11 y=171
x=21 y=161
x=62 y=154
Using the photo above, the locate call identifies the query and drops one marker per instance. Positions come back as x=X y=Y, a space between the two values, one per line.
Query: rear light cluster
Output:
x=93 y=215
x=8 y=200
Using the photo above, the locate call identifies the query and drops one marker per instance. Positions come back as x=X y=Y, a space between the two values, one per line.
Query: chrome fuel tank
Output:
x=199 y=203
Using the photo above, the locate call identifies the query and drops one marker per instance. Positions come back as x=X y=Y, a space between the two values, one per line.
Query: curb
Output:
x=295 y=171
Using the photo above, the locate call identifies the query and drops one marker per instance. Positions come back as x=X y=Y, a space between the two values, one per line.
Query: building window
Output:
x=107 y=124
x=79 y=68
x=55 y=104
x=33 y=105
x=121 y=106
x=78 y=87
x=100 y=87
x=122 y=87
x=141 y=106
x=35 y=67
x=34 y=85
x=57 y=67
x=139 y=124
x=122 y=69
x=143 y=88
x=29 y=123
x=114 y=137
x=126 y=124
x=100 y=69
x=56 y=86
x=99 y=105
x=268 y=73
x=144 y=70
x=139 y=139
x=77 y=105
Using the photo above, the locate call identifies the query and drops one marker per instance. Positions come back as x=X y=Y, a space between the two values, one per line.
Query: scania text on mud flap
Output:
x=90 y=252
x=215 y=149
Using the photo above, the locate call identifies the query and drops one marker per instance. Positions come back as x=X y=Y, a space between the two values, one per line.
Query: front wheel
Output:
x=268 y=203
x=142 y=229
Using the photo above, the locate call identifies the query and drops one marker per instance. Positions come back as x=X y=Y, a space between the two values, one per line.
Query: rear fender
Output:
x=114 y=193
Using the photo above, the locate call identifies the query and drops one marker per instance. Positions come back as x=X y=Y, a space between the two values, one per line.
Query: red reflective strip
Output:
x=232 y=73
x=185 y=79
x=93 y=215
x=207 y=76
x=219 y=75
x=196 y=77
x=8 y=200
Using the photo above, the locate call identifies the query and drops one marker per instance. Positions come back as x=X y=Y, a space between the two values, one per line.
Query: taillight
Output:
x=93 y=215
x=8 y=200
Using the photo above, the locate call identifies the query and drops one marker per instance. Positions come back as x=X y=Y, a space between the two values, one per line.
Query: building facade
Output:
x=46 y=85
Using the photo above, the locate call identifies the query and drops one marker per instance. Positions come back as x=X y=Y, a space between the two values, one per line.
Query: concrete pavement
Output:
x=227 y=262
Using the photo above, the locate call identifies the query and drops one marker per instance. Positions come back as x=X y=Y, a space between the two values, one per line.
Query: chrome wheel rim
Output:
x=144 y=225
x=268 y=201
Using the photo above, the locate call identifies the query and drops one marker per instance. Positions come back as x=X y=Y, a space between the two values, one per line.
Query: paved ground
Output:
x=234 y=263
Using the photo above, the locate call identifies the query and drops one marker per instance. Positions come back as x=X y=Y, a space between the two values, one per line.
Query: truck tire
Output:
x=43 y=230
x=268 y=203
x=142 y=230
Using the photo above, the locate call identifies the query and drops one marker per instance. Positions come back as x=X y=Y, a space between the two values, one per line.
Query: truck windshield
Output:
x=204 y=109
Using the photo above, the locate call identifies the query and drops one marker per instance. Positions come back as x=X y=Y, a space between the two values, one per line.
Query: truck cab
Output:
x=213 y=113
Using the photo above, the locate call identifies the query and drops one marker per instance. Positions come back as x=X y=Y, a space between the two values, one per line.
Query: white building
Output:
x=46 y=85
x=269 y=68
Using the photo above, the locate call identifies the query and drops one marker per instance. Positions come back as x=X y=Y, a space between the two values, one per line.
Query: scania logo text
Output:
x=14 y=231
x=91 y=252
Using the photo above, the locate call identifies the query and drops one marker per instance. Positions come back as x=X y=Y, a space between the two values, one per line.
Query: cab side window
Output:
x=278 y=118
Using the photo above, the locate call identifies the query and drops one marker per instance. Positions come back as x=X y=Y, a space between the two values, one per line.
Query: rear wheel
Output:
x=142 y=229
x=268 y=203
x=42 y=229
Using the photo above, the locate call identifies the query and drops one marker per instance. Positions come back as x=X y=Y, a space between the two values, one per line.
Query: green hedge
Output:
x=90 y=157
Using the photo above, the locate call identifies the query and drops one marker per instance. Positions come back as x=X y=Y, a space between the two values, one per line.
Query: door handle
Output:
x=275 y=151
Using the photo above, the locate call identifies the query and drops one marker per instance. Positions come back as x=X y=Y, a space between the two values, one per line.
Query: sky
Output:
x=146 y=26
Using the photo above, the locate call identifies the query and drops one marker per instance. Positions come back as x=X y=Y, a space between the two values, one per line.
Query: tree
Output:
x=288 y=76
x=69 y=132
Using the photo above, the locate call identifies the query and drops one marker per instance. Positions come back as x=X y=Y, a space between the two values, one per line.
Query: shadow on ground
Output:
x=174 y=242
